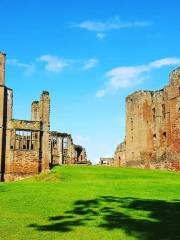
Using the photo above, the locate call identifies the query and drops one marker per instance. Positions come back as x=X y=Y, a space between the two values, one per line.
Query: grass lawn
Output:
x=88 y=202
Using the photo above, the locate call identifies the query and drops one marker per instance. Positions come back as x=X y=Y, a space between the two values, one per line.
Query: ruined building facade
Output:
x=28 y=147
x=152 y=128
x=64 y=151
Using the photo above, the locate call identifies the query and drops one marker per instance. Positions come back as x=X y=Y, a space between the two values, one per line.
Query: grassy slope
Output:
x=92 y=203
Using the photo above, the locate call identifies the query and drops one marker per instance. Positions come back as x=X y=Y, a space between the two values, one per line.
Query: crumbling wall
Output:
x=2 y=68
x=24 y=145
x=2 y=114
x=120 y=155
x=62 y=148
x=22 y=149
x=64 y=151
x=44 y=114
x=25 y=125
x=80 y=155
x=35 y=114
x=22 y=163
x=56 y=148
x=153 y=127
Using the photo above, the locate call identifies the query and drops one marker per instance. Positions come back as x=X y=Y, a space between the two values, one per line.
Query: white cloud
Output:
x=123 y=77
x=91 y=63
x=101 y=93
x=164 y=62
x=111 y=24
x=101 y=36
x=53 y=63
x=126 y=76
x=29 y=69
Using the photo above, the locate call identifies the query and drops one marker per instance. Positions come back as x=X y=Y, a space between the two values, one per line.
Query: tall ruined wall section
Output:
x=64 y=151
x=6 y=104
x=56 y=148
x=136 y=126
x=173 y=91
x=35 y=111
x=44 y=106
x=2 y=68
x=24 y=145
x=40 y=111
x=2 y=99
x=153 y=128
x=27 y=143
x=61 y=148
x=28 y=147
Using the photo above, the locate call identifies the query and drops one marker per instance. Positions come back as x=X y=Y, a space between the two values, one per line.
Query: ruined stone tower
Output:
x=153 y=128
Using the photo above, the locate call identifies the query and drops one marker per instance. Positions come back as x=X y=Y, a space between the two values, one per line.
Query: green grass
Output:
x=87 y=202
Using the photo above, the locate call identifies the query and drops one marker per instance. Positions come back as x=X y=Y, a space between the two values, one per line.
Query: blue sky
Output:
x=89 y=55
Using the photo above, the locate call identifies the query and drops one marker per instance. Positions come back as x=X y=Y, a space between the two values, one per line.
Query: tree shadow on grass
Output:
x=2 y=189
x=141 y=218
x=63 y=224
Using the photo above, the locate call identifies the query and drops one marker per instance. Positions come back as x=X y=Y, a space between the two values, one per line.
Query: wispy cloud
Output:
x=101 y=36
x=53 y=63
x=91 y=63
x=111 y=24
x=100 y=27
x=126 y=76
x=101 y=93
x=29 y=69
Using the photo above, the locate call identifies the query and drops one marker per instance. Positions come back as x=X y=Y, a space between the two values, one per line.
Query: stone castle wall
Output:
x=152 y=128
x=64 y=151
x=28 y=147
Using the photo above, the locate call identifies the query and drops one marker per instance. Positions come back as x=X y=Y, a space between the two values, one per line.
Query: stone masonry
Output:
x=64 y=151
x=27 y=147
x=152 y=128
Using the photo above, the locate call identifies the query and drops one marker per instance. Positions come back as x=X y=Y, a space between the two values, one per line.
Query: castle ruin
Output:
x=152 y=128
x=64 y=151
x=28 y=147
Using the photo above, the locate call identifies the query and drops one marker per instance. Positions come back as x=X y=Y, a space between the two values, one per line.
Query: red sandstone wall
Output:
x=23 y=162
x=153 y=127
